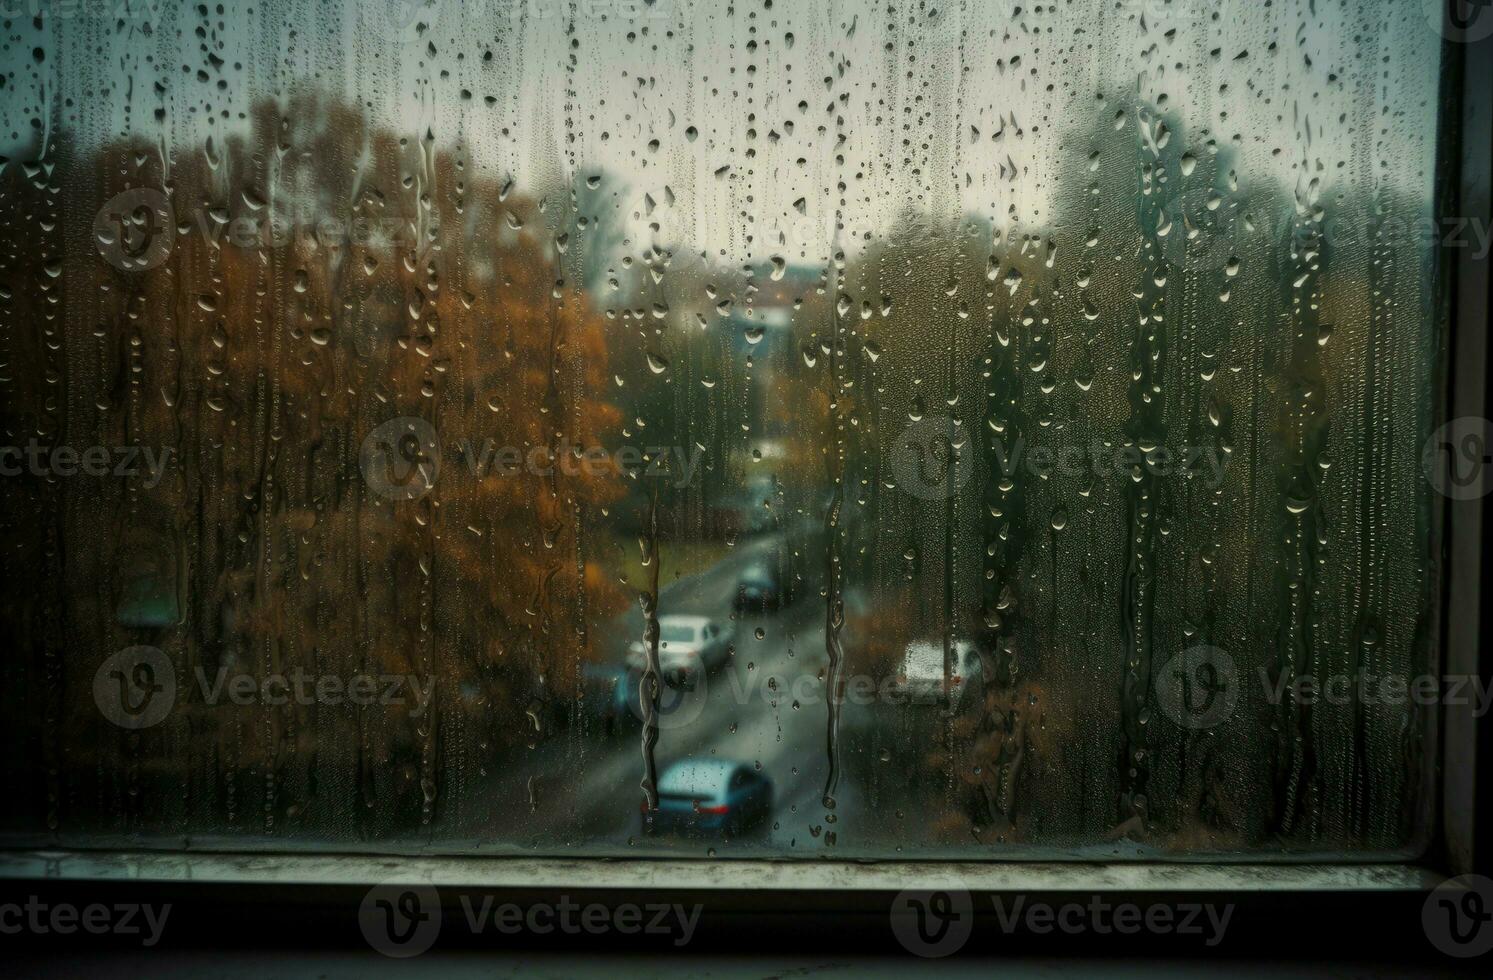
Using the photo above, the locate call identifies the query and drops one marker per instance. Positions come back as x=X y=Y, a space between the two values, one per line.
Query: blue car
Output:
x=613 y=696
x=709 y=796
x=608 y=689
x=760 y=590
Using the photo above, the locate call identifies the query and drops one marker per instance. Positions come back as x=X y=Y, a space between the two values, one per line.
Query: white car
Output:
x=920 y=677
x=686 y=644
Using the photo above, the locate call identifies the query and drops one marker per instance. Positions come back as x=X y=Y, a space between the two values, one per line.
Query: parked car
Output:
x=613 y=696
x=759 y=589
x=920 y=677
x=710 y=796
x=686 y=646
x=607 y=688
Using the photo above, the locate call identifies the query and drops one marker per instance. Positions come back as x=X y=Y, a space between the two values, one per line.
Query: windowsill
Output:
x=719 y=875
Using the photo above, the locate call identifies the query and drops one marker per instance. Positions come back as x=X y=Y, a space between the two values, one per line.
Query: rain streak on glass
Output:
x=798 y=430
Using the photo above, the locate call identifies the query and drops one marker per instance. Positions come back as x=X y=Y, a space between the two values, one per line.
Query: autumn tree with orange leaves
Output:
x=324 y=276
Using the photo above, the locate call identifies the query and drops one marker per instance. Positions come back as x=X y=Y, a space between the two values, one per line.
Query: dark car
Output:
x=613 y=696
x=709 y=796
x=760 y=589
x=607 y=690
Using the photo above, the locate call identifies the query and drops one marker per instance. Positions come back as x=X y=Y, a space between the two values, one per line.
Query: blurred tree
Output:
x=324 y=277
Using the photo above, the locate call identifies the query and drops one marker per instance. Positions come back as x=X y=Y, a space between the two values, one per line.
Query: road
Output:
x=580 y=790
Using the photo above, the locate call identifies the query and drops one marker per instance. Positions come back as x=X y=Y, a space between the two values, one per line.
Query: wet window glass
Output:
x=748 y=428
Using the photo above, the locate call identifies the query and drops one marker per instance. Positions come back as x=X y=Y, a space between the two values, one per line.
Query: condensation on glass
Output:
x=744 y=428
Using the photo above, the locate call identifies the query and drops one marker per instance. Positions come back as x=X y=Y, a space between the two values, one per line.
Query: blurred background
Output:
x=825 y=424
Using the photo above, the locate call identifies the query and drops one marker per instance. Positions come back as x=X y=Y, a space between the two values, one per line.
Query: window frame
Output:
x=1466 y=182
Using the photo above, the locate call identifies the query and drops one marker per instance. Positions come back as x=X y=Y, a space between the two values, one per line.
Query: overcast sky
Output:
x=946 y=106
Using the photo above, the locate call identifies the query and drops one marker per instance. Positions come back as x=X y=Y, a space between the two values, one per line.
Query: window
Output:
x=384 y=394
